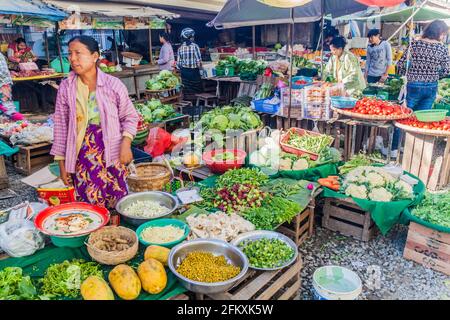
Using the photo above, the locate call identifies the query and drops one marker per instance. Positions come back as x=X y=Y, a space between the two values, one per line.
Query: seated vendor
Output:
x=344 y=68
x=18 y=52
x=6 y=104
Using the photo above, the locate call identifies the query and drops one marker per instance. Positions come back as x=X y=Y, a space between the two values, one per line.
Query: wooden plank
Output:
x=255 y=285
x=347 y=215
x=430 y=233
x=429 y=247
x=444 y=180
x=293 y=290
x=417 y=155
x=428 y=147
x=281 y=281
x=434 y=178
x=345 y=229
x=427 y=261
x=408 y=151
x=181 y=296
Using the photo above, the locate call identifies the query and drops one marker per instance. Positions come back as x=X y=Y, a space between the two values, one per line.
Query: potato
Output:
x=96 y=288
x=125 y=282
x=153 y=276
x=157 y=252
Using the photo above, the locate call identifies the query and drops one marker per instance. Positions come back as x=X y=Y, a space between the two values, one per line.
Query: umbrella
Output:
x=32 y=8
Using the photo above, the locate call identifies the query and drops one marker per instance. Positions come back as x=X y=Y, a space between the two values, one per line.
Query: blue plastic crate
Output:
x=140 y=156
x=263 y=105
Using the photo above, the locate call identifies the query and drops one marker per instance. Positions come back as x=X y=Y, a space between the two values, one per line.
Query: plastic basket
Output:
x=301 y=86
x=430 y=115
x=343 y=102
x=264 y=105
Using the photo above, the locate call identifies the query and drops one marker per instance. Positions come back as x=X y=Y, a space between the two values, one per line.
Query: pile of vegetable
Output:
x=331 y=182
x=248 y=176
x=162 y=235
x=394 y=85
x=374 y=183
x=435 y=209
x=268 y=154
x=267 y=253
x=302 y=62
x=164 y=80
x=443 y=125
x=229 y=62
x=444 y=89
x=250 y=69
x=154 y=111
x=374 y=106
x=309 y=142
x=229 y=118
x=107 y=66
x=15 y=286
x=64 y=279
x=113 y=243
x=145 y=209
x=358 y=160
x=206 y=267
x=264 y=92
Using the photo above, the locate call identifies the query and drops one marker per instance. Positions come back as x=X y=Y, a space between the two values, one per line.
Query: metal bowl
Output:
x=260 y=234
x=217 y=247
x=164 y=199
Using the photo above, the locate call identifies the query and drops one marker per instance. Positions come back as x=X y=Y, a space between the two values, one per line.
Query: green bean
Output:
x=267 y=253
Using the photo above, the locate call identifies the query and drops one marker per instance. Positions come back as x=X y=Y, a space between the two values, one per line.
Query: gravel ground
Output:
x=399 y=278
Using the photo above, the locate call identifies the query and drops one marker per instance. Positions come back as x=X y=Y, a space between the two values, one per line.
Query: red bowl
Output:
x=223 y=166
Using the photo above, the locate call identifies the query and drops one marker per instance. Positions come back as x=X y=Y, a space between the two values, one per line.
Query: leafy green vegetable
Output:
x=309 y=142
x=249 y=176
x=434 y=208
x=267 y=253
x=359 y=160
x=15 y=286
x=64 y=279
x=154 y=111
x=164 y=80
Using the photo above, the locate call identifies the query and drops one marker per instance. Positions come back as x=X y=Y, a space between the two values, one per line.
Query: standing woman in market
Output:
x=166 y=57
x=94 y=124
x=189 y=62
x=379 y=58
x=19 y=52
x=429 y=61
x=344 y=68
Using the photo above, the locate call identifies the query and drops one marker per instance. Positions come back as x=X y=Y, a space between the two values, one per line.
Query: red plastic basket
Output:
x=223 y=166
x=299 y=152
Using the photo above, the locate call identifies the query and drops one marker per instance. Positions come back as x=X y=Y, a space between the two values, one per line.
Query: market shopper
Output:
x=189 y=62
x=6 y=103
x=344 y=67
x=166 y=58
x=19 y=52
x=379 y=58
x=94 y=124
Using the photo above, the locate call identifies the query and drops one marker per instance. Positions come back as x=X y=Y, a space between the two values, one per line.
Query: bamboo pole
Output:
x=150 y=44
x=58 y=45
x=254 y=41
x=291 y=55
x=322 y=37
x=115 y=45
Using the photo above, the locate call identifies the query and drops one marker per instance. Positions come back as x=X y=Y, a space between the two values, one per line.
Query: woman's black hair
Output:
x=435 y=29
x=20 y=40
x=338 y=42
x=165 y=36
x=89 y=42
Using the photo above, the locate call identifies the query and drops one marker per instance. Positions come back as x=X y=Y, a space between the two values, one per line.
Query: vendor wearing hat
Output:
x=189 y=62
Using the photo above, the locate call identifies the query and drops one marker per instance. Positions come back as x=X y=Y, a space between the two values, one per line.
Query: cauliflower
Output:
x=300 y=164
x=406 y=188
x=375 y=179
x=380 y=194
x=285 y=164
x=356 y=191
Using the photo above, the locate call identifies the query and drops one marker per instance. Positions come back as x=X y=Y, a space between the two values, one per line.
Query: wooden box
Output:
x=301 y=228
x=283 y=284
x=428 y=247
x=32 y=158
x=347 y=218
x=180 y=122
x=4 y=180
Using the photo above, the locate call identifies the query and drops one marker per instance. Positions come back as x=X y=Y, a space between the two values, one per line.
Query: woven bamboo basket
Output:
x=372 y=117
x=148 y=177
x=112 y=257
x=437 y=133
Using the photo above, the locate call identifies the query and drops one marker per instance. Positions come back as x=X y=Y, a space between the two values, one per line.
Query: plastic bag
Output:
x=157 y=142
x=19 y=238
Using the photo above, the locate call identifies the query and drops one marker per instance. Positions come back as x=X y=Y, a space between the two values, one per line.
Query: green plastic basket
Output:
x=430 y=115
x=69 y=242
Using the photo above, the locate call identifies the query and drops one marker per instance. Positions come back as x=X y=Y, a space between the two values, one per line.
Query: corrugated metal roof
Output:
x=200 y=5
x=111 y=9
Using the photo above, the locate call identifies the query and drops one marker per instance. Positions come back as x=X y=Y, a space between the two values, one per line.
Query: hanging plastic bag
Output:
x=19 y=238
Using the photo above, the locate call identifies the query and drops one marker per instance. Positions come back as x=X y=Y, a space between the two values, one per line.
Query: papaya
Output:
x=157 y=252
x=96 y=288
x=153 y=276
x=125 y=282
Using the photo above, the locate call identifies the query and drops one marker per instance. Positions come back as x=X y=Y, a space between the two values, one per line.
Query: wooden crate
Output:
x=428 y=247
x=346 y=217
x=4 y=180
x=419 y=158
x=302 y=227
x=32 y=158
x=165 y=96
x=200 y=173
x=170 y=125
x=281 y=284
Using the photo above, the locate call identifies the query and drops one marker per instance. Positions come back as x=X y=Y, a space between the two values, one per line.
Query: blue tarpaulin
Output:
x=31 y=8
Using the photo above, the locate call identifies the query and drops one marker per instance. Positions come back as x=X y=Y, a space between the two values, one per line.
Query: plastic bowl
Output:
x=68 y=242
x=162 y=223
x=343 y=102
x=223 y=166
x=430 y=115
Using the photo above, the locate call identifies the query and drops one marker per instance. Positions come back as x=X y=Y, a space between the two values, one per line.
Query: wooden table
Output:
x=232 y=91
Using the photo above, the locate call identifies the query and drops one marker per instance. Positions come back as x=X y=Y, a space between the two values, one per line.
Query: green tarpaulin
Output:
x=36 y=264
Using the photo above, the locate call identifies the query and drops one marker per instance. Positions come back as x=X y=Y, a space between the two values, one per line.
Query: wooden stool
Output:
x=4 y=181
x=206 y=98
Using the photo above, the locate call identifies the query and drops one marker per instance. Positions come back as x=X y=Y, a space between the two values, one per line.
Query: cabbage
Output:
x=220 y=122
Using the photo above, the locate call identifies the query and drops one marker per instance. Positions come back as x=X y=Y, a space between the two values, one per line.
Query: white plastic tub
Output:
x=336 y=283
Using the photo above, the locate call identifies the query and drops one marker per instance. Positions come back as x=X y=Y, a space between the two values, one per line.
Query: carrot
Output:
x=329 y=183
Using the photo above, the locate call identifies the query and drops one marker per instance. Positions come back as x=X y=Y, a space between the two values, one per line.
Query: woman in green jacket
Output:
x=344 y=68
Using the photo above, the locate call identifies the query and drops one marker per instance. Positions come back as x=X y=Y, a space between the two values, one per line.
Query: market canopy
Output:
x=400 y=14
x=197 y=5
x=241 y=13
x=32 y=8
